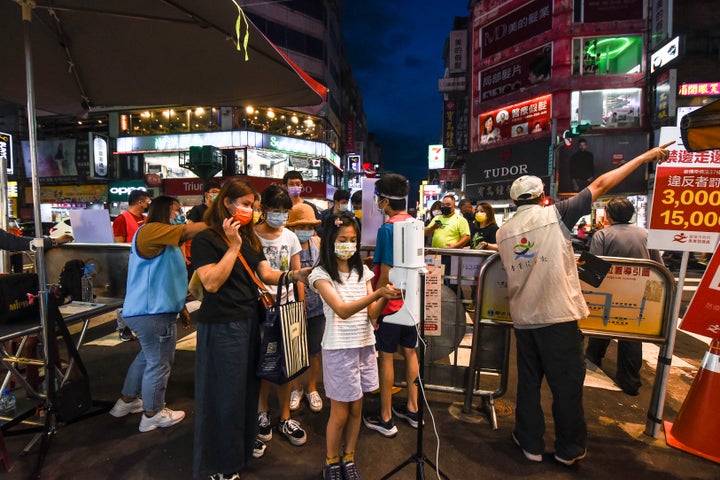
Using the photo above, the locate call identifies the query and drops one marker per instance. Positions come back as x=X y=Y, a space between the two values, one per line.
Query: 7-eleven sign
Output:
x=436 y=157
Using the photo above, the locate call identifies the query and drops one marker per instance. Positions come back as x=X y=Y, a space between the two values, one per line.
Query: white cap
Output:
x=526 y=188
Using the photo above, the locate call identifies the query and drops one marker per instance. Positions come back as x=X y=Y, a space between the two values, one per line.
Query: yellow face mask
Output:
x=256 y=216
x=481 y=217
x=358 y=214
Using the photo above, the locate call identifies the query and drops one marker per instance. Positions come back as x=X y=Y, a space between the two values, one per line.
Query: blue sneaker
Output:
x=401 y=411
x=387 y=429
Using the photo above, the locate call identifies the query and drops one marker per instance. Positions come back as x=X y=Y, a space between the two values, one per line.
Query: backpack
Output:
x=71 y=279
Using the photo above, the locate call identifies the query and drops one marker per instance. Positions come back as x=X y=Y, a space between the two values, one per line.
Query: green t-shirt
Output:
x=452 y=230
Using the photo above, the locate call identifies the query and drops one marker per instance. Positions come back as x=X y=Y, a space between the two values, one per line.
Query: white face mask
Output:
x=344 y=207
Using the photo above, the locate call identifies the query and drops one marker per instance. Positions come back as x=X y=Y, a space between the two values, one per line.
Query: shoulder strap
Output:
x=260 y=285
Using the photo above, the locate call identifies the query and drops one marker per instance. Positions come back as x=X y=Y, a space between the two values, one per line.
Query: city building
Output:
x=253 y=141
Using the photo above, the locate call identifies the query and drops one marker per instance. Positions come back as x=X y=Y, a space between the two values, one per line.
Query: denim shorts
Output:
x=349 y=372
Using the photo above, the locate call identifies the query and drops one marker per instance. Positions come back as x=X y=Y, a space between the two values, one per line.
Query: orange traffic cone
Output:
x=697 y=424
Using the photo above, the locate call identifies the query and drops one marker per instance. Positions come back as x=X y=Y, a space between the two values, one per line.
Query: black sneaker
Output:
x=570 y=461
x=332 y=471
x=264 y=427
x=293 y=431
x=258 y=449
x=387 y=429
x=349 y=470
x=402 y=411
x=126 y=335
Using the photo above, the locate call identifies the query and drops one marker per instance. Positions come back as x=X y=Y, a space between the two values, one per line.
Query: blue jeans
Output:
x=148 y=374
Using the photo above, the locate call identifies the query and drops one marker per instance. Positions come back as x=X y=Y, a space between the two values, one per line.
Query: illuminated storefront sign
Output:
x=523 y=71
x=6 y=151
x=709 y=89
x=436 y=157
x=79 y=194
x=665 y=94
x=119 y=191
x=516 y=27
x=449 y=123
x=98 y=155
x=12 y=189
x=233 y=139
x=518 y=120
x=667 y=53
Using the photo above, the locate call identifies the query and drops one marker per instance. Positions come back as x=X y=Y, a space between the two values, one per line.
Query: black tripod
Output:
x=68 y=398
x=419 y=458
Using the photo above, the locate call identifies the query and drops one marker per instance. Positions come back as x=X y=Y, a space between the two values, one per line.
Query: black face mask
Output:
x=446 y=210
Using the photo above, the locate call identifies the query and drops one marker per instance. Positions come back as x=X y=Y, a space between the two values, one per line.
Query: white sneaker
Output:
x=164 y=418
x=121 y=408
x=295 y=397
x=315 y=401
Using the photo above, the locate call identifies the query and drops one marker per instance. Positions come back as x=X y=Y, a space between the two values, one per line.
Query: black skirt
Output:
x=226 y=396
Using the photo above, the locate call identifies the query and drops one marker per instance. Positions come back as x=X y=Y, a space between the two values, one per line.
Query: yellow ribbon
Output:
x=238 y=27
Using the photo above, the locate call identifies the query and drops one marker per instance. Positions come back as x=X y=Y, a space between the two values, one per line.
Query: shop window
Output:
x=616 y=108
x=607 y=55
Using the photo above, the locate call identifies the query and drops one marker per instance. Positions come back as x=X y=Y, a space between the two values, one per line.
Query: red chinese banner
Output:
x=686 y=202
x=449 y=175
x=524 y=23
x=522 y=71
x=703 y=313
x=518 y=120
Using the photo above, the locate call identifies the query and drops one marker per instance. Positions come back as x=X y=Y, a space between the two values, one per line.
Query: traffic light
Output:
x=577 y=130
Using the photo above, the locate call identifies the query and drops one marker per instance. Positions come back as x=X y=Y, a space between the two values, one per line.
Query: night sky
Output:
x=395 y=50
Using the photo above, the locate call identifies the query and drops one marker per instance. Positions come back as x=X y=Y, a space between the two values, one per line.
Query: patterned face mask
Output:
x=178 y=219
x=345 y=250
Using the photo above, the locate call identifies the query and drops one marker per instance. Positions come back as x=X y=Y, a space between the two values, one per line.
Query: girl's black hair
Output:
x=275 y=196
x=328 y=260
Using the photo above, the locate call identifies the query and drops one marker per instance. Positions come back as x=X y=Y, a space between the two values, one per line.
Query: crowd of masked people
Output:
x=240 y=237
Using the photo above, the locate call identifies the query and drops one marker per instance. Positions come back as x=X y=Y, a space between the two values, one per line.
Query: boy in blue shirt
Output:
x=390 y=197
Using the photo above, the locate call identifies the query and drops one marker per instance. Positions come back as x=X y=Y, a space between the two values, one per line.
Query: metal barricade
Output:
x=634 y=302
x=448 y=356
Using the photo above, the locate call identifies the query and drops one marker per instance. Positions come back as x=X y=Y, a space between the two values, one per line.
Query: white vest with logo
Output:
x=537 y=255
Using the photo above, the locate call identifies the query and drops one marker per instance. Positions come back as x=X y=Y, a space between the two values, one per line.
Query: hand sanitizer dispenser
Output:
x=408 y=263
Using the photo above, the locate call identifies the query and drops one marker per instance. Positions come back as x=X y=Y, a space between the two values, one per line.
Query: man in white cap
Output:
x=546 y=303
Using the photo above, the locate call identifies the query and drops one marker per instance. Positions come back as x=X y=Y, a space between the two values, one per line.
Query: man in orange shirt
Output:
x=124 y=227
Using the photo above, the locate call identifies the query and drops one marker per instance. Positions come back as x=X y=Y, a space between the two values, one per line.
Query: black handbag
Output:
x=591 y=269
x=14 y=302
x=283 y=349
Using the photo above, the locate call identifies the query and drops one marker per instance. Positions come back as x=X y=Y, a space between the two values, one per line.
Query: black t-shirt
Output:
x=197 y=213
x=237 y=297
x=484 y=234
